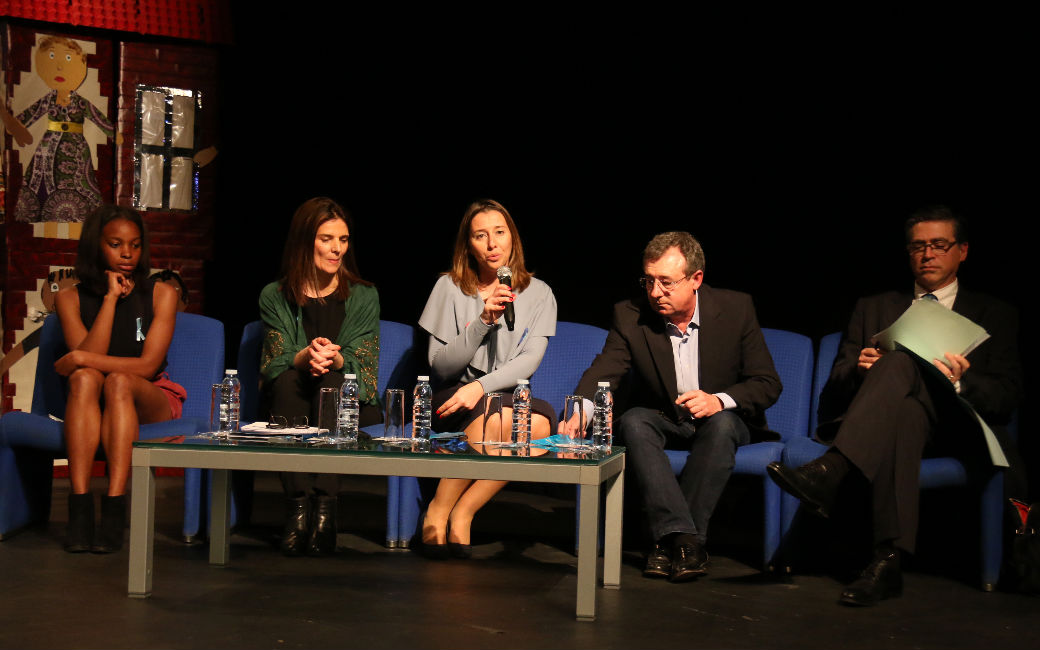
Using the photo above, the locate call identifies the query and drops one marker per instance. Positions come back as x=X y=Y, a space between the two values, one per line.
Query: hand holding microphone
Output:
x=505 y=276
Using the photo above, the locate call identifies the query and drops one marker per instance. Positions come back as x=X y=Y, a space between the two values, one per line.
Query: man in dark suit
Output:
x=883 y=410
x=694 y=373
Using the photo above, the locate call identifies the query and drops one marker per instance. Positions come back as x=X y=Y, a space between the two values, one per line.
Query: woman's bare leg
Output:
x=83 y=425
x=435 y=525
x=129 y=402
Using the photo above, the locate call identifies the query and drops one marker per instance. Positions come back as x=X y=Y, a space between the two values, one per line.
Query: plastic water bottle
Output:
x=230 y=401
x=349 y=409
x=521 y=432
x=603 y=417
x=422 y=408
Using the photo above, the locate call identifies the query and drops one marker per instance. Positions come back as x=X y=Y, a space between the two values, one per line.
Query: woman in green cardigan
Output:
x=321 y=321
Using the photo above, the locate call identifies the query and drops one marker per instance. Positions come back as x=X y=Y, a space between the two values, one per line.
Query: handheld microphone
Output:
x=505 y=276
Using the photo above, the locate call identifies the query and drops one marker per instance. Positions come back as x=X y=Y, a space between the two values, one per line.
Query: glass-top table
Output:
x=451 y=457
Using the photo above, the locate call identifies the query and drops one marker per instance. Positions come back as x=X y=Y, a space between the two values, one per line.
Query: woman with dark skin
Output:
x=118 y=326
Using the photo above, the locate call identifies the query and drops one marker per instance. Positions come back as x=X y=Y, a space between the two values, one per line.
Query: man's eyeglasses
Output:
x=281 y=422
x=939 y=246
x=667 y=285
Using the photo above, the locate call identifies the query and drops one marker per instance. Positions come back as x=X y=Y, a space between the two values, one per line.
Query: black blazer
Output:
x=992 y=384
x=637 y=359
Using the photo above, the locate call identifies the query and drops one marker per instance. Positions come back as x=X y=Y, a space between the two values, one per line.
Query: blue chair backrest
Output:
x=49 y=387
x=399 y=362
x=249 y=369
x=569 y=354
x=793 y=357
x=828 y=350
x=195 y=360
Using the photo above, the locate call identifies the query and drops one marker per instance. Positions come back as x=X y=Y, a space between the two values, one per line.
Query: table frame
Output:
x=608 y=474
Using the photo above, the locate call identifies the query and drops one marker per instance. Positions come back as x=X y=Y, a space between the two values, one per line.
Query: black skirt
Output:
x=459 y=420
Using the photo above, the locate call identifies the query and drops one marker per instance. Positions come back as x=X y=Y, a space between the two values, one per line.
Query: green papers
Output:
x=929 y=331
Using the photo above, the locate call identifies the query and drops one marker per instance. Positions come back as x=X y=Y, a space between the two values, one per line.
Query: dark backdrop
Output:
x=793 y=157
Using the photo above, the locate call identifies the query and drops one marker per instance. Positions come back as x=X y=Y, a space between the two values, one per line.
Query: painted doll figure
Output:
x=59 y=184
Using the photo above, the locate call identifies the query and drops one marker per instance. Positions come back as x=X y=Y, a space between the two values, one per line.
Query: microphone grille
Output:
x=504 y=272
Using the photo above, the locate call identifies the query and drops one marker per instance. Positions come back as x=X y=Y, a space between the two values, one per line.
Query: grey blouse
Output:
x=463 y=348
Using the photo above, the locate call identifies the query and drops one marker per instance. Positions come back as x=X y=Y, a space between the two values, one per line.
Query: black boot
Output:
x=109 y=537
x=323 y=529
x=81 y=523
x=295 y=534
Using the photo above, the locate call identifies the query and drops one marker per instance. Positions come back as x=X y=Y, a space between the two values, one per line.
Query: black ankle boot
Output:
x=81 y=523
x=109 y=537
x=295 y=533
x=323 y=529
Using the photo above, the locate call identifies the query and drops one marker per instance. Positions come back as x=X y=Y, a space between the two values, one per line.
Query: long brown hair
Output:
x=298 y=269
x=464 y=268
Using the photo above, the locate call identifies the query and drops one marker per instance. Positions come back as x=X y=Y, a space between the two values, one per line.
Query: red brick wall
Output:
x=181 y=241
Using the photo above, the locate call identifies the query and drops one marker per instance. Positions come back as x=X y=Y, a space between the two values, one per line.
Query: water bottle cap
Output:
x=231 y=371
x=424 y=378
x=522 y=382
x=350 y=376
x=604 y=384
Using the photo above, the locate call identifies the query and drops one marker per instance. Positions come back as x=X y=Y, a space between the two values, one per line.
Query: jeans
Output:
x=681 y=504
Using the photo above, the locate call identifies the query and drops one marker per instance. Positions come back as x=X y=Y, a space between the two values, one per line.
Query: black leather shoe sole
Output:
x=790 y=482
x=657 y=571
x=686 y=575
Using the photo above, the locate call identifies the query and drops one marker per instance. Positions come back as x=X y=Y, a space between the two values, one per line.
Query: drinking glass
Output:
x=491 y=431
x=393 y=415
x=573 y=407
x=214 y=409
x=328 y=412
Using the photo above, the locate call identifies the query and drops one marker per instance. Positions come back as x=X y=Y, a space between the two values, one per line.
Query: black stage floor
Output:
x=517 y=592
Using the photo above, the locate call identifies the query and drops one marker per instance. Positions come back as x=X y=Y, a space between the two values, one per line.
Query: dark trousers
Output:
x=295 y=393
x=683 y=504
x=886 y=431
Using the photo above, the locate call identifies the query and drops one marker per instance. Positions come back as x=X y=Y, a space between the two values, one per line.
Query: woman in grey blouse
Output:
x=473 y=352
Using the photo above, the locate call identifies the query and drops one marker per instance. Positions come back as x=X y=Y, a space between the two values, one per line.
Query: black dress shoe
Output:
x=658 y=562
x=296 y=534
x=689 y=561
x=323 y=529
x=814 y=483
x=460 y=551
x=880 y=580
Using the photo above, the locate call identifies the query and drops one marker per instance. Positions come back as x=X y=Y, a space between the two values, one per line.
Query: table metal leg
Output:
x=142 y=532
x=588 y=525
x=220 y=518
x=612 y=533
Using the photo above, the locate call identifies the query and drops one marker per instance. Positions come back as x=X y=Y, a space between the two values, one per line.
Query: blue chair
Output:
x=569 y=353
x=198 y=482
x=399 y=364
x=793 y=357
x=29 y=442
x=935 y=473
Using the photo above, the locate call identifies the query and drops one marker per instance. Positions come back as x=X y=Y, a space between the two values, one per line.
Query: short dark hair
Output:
x=90 y=266
x=684 y=241
x=938 y=213
x=167 y=275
